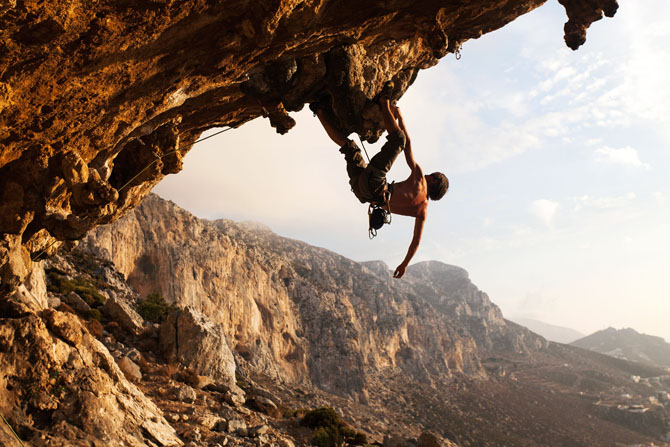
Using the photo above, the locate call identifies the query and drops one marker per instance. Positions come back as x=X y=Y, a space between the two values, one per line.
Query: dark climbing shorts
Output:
x=368 y=181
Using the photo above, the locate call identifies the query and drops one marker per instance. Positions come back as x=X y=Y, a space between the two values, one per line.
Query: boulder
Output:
x=237 y=426
x=210 y=421
x=235 y=396
x=76 y=302
x=53 y=301
x=221 y=425
x=185 y=393
x=258 y=430
x=190 y=338
x=429 y=440
x=120 y=310
x=264 y=405
x=130 y=369
x=286 y=442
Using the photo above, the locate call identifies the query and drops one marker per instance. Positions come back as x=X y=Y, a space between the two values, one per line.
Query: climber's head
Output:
x=438 y=184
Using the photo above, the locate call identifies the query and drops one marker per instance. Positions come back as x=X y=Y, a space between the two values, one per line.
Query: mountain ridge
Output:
x=551 y=332
x=628 y=344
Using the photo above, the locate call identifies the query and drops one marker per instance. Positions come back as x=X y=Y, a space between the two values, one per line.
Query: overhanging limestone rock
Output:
x=99 y=102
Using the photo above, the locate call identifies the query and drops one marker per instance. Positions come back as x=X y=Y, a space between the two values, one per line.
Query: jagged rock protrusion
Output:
x=581 y=14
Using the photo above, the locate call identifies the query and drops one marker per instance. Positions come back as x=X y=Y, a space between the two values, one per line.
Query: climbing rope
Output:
x=137 y=175
x=15 y=435
x=170 y=153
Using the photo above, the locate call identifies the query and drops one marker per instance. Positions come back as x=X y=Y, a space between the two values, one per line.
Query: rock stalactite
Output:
x=93 y=93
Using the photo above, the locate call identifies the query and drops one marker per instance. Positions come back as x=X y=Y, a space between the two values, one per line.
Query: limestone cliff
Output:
x=304 y=314
x=100 y=100
x=425 y=361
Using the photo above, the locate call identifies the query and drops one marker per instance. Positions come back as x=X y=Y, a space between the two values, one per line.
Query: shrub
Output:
x=330 y=430
x=93 y=314
x=95 y=328
x=359 y=439
x=88 y=293
x=324 y=437
x=154 y=308
x=81 y=286
x=322 y=417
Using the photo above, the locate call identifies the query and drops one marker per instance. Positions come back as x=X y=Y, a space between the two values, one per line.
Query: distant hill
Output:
x=558 y=334
x=628 y=344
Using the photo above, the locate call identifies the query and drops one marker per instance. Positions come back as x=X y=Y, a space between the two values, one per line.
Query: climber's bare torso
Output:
x=410 y=197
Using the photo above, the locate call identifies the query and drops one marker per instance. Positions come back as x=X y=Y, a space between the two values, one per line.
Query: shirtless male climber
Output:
x=368 y=181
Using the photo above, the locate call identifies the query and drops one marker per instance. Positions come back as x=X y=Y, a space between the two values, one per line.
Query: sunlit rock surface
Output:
x=304 y=314
x=100 y=100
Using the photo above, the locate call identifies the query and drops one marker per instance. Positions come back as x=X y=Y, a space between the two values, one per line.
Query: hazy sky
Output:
x=558 y=161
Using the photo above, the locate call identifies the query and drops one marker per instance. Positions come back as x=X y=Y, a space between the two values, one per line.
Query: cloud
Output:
x=586 y=201
x=545 y=210
x=623 y=156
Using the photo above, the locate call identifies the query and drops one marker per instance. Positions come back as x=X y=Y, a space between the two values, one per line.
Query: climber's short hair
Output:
x=438 y=187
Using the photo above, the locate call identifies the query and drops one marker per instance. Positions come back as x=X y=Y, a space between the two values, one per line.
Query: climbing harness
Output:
x=377 y=215
x=160 y=157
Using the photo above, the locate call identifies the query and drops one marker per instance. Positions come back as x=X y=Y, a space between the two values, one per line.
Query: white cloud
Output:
x=562 y=74
x=586 y=201
x=545 y=210
x=624 y=156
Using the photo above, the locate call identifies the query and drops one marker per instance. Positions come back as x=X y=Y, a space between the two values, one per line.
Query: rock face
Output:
x=304 y=314
x=100 y=101
x=60 y=384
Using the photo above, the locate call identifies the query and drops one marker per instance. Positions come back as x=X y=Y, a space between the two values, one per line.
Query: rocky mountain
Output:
x=551 y=332
x=99 y=101
x=265 y=340
x=305 y=314
x=628 y=344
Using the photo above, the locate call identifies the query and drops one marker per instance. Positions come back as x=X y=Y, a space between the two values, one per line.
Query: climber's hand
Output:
x=399 y=271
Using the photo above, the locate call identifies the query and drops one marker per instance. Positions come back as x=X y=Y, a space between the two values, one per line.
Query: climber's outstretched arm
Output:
x=413 y=246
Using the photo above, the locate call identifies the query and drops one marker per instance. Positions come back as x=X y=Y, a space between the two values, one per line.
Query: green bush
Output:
x=324 y=437
x=330 y=430
x=359 y=439
x=81 y=286
x=154 y=308
x=322 y=417
x=93 y=314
